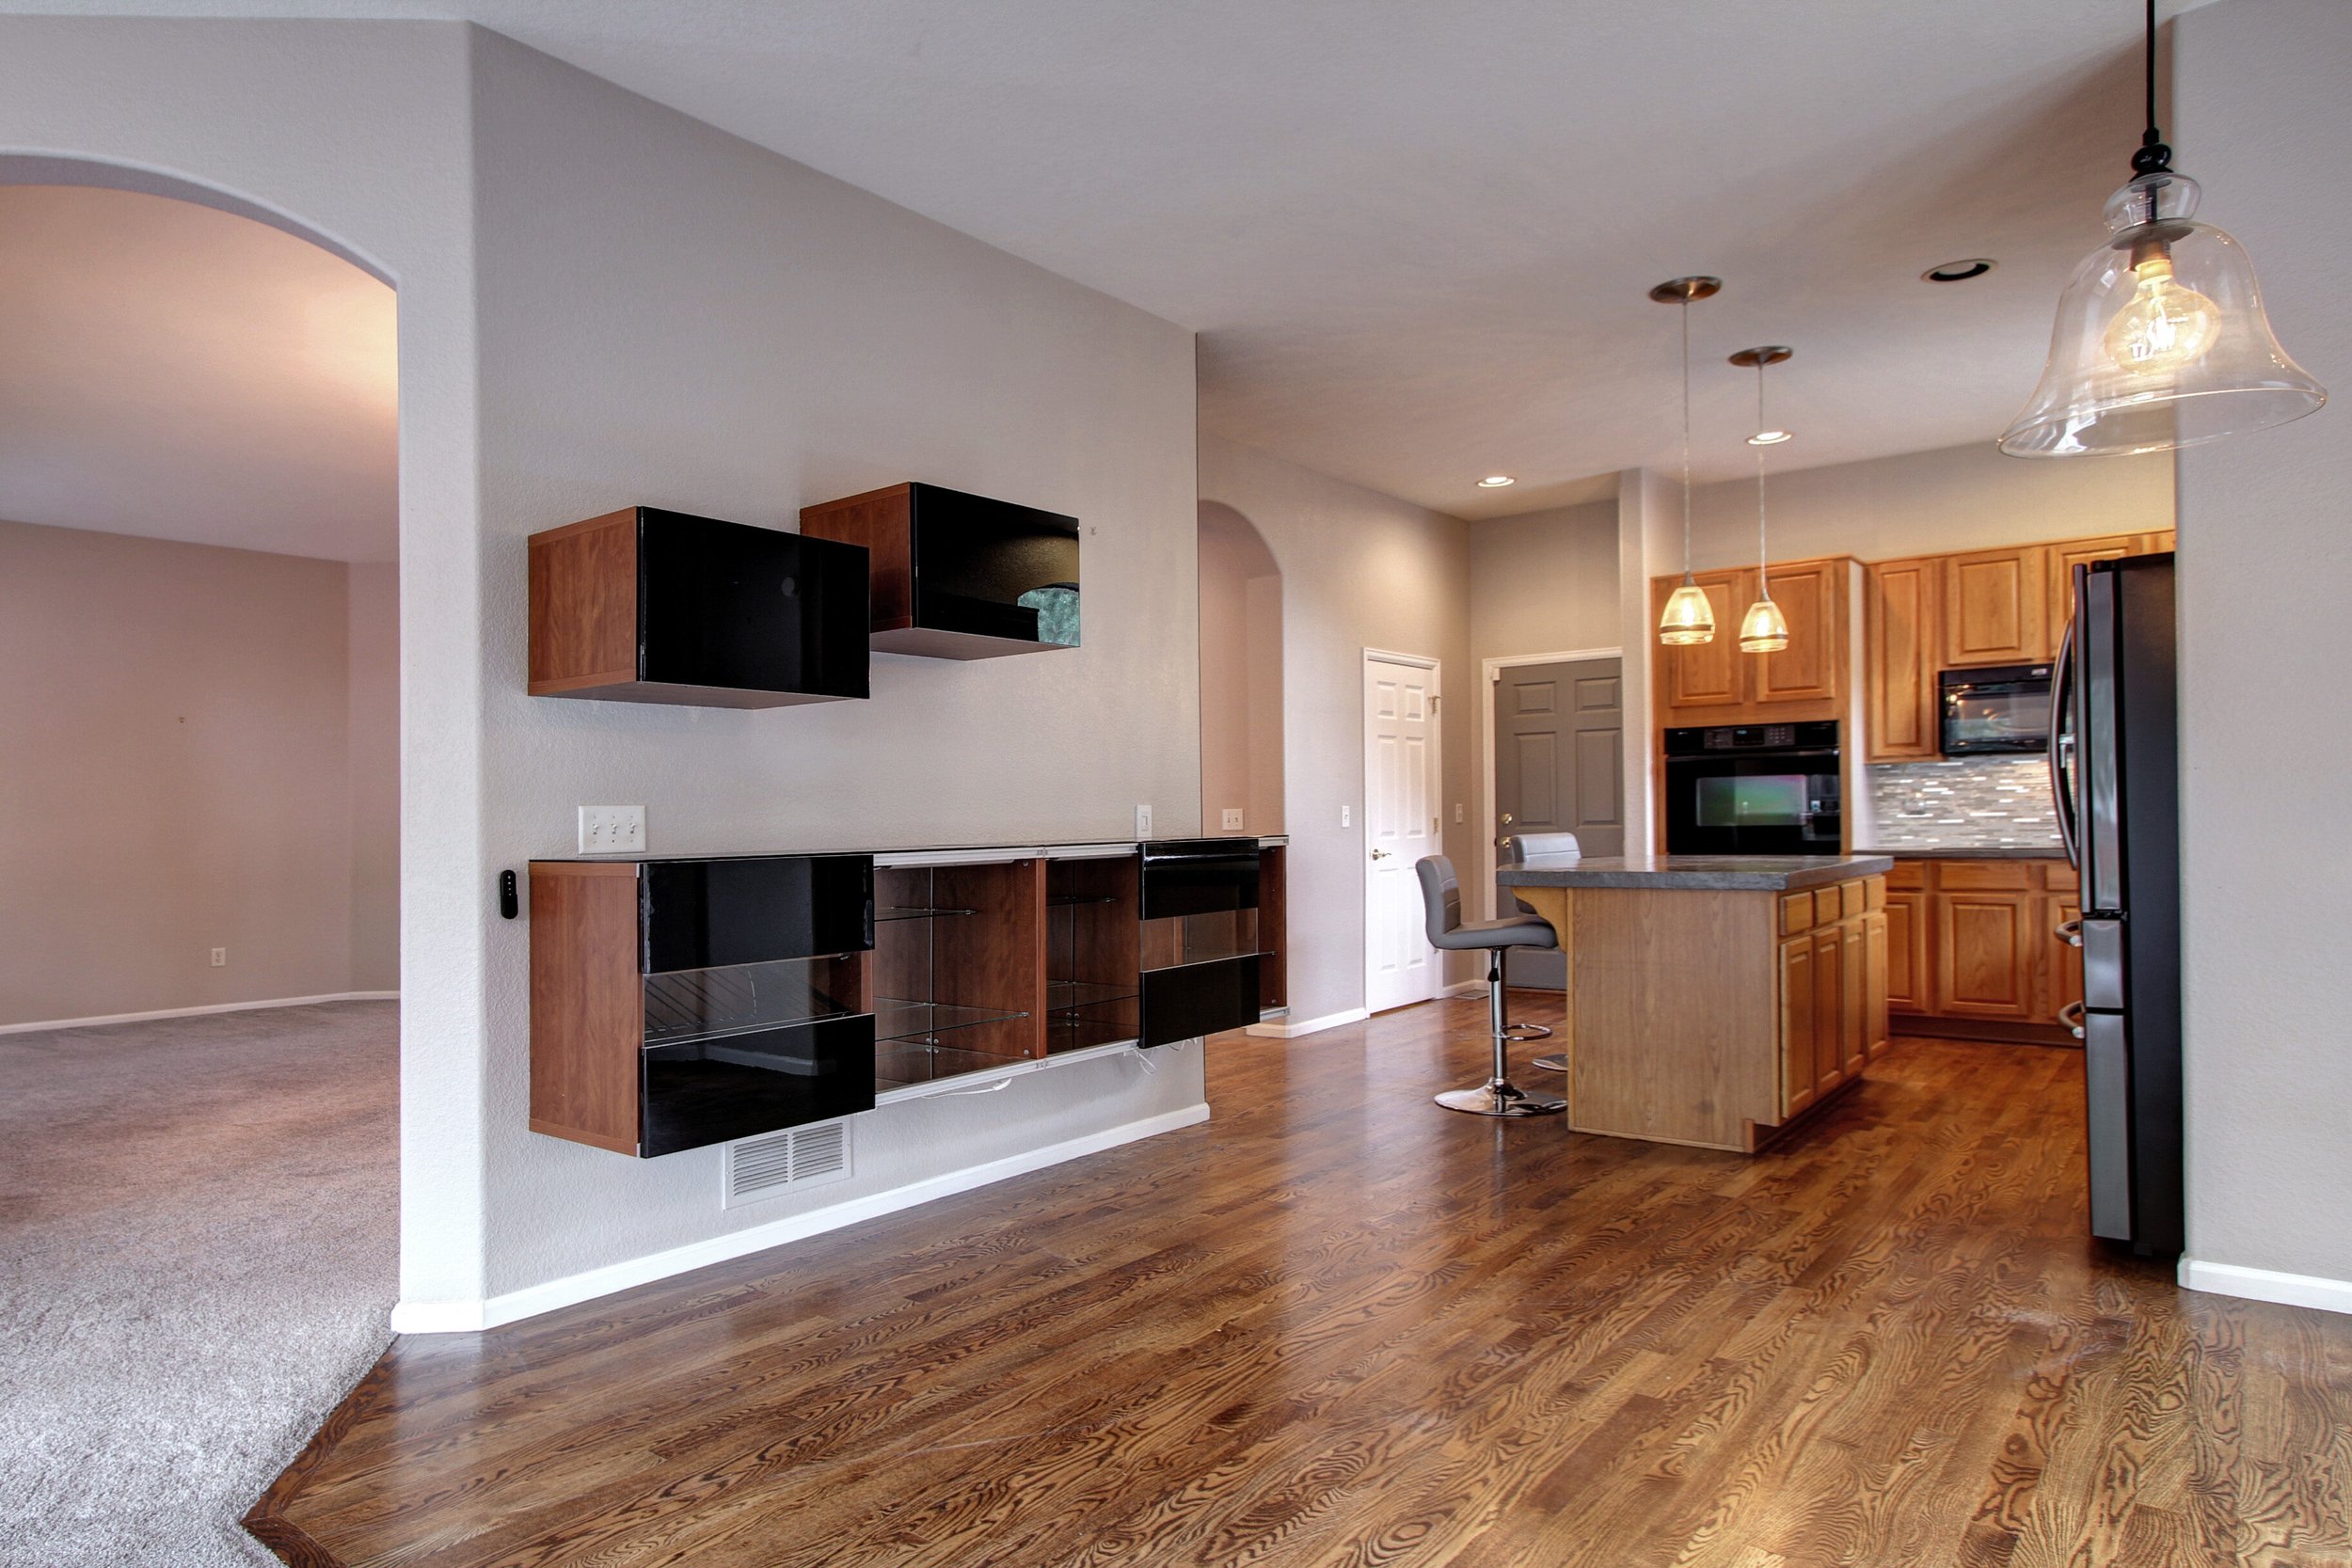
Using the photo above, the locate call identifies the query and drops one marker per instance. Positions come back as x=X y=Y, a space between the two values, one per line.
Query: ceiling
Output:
x=174 y=372
x=1416 y=238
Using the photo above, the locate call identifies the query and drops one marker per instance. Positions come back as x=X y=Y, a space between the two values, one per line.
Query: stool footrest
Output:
x=1525 y=1032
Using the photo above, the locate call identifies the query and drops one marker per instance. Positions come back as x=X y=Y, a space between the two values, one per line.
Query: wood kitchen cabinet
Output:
x=1833 y=1010
x=2064 y=558
x=1995 y=607
x=1901 y=642
x=1714 y=683
x=1974 y=940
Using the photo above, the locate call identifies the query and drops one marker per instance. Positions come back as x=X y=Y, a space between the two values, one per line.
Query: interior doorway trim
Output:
x=1436 y=766
x=1489 y=672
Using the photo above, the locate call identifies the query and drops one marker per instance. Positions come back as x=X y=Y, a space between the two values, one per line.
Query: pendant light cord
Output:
x=1763 y=549
x=1686 y=440
x=2154 y=157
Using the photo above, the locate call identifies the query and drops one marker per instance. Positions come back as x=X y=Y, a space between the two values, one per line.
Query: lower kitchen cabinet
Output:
x=1975 y=941
x=1831 y=977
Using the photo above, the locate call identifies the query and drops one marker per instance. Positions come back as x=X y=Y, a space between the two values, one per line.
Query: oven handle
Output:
x=2061 y=742
x=1760 y=752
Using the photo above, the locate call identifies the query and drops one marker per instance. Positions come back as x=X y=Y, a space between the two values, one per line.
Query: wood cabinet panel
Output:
x=1985 y=877
x=1907 y=970
x=1829 y=1010
x=2063 y=560
x=1984 y=955
x=1811 y=667
x=1901 y=641
x=1796 y=913
x=1798 y=1027
x=1995 y=607
x=1713 y=674
x=1853 y=1013
x=1907 y=877
x=1875 y=956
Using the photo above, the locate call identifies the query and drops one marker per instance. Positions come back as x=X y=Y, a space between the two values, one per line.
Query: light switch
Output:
x=1233 y=819
x=612 y=829
x=1458 y=813
x=1143 y=819
x=1346 y=815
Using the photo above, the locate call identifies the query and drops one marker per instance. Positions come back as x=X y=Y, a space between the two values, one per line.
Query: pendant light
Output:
x=1764 y=629
x=1687 y=618
x=2161 y=342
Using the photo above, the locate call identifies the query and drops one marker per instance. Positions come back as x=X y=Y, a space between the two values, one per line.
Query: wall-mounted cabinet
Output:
x=675 y=1003
x=646 y=605
x=1093 y=951
x=957 y=972
x=959 y=576
x=1200 y=948
x=1715 y=683
x=1933 y=614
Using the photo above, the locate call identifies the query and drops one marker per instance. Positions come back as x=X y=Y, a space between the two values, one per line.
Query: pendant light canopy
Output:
x=1687 y=617
x=1764 y=629
x=2161 y=341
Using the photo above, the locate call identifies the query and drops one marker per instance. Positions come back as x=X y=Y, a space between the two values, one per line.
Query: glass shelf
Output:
x=899 y=1064
x=896 y=912
x=1068 y=901
x=1066 y=995
x=1080 y=1034
x=744 y=999
x=901 y=1022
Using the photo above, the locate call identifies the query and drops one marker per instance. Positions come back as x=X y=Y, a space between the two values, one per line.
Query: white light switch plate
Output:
x=612 y=829
x=1346 y=814
x=1143 y=819
x=1232 y=819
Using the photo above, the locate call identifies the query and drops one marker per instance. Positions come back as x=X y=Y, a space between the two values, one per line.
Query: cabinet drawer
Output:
x=1853 y=898
x=1873 y=894
x=1908 y=876
x=1985 y=877
x=1199 y=876
x=1796 y=913
x=2059 y=876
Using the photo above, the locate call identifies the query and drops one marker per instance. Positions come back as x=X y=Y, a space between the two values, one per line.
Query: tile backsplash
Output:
x=1969 y=802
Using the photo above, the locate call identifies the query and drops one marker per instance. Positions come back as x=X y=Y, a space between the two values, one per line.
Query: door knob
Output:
x=1508 y=819
x=1379 y=854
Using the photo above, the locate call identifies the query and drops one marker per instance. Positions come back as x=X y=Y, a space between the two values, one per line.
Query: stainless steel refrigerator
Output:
x=2114 y=770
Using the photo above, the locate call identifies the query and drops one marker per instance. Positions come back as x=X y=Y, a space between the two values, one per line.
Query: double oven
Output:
x=1753 y=789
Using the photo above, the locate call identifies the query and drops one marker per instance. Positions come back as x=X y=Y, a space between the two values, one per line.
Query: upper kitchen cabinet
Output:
x=1714 y=683
x=1996 y=606
x=2082 y=552
x=646 y=605
x=1901 y=642
x=959 y=576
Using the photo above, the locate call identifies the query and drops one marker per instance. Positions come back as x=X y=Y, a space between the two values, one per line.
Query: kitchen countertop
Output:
x=1975 y=852
x=1695 y=873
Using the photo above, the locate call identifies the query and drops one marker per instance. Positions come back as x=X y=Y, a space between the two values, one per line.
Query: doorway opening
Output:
x=199 y=1002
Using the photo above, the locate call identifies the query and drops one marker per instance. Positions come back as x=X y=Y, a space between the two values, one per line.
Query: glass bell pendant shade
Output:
x=1764 y=629
x=1689 y=617
x=2161 y=341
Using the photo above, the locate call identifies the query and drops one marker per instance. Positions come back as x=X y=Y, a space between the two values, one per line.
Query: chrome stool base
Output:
x=1500 y=1096
x=1556 y=1062
x=1526 y=1032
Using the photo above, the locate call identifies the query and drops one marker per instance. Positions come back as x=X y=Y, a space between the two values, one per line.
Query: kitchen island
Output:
x=1713 y=1000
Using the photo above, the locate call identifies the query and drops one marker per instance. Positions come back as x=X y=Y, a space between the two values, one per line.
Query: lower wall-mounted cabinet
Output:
x=680 y=1002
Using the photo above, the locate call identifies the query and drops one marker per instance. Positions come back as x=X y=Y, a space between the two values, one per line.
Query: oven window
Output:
x=1752 y=800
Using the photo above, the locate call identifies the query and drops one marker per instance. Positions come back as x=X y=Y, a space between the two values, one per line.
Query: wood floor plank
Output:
x=1339 y=1325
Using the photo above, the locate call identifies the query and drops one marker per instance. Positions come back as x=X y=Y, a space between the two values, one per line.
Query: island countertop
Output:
x=1696 y=873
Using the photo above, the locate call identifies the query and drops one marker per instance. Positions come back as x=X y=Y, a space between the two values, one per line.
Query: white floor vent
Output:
x=784 y=1161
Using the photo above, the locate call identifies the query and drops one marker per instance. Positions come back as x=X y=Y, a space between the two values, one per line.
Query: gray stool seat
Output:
x=1441 y=908
x=1518 y=849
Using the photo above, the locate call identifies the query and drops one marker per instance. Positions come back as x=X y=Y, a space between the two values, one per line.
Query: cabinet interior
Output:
x=955 y=981
x=1093 y=952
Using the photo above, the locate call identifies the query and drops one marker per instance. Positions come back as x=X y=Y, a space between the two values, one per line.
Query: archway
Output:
x=1241 y=676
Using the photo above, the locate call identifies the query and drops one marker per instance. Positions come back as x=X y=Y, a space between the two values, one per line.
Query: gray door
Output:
x=1559 y=753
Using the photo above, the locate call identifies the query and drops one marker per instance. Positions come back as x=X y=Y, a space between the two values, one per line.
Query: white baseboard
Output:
x=1464 y=987
x=459 y=1317
x=202 y=1012
x=1287 y=1030
x=2287 y=1289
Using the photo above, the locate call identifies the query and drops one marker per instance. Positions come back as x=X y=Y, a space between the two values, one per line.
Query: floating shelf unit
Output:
x=675 y=1003
x=957 y=575
x=646 y=605
x=1093 y=969
x=957 y=977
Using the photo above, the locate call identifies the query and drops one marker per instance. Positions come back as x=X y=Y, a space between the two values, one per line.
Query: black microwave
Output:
x=2002 y=707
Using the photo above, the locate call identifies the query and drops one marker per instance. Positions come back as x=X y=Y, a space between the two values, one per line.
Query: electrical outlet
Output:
x=1232 y=819
x=612 y=829
x=1143 y=819
x=1346 y=815
x=221 y=958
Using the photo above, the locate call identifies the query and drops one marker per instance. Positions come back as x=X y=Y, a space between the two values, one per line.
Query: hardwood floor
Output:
x=1339 y=1325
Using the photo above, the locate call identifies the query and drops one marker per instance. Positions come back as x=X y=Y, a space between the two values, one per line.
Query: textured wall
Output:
x=2265 y=570
x=1965 y=803
x=1359 y=570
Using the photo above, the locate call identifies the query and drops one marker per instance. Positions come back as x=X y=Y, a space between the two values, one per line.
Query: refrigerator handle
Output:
x=2062 y=743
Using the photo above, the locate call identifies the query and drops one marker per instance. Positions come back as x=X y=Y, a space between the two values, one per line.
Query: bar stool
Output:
x=1441 y=904
x=1517 y=849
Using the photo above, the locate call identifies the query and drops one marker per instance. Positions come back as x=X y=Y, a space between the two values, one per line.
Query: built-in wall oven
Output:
x=1753 y=789
x=2000 y=708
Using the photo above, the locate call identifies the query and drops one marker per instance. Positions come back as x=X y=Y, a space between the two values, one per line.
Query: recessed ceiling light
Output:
x=1958 y=272
x=1771 y=437
x=1495 y=481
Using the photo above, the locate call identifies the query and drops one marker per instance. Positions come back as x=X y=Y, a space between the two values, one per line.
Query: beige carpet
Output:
x=197 y=1259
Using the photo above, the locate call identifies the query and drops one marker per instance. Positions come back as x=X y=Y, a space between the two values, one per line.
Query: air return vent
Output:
x=784 y=1161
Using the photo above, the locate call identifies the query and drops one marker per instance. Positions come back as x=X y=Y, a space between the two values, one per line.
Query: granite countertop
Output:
x=1974 y=852
x=1695 y=873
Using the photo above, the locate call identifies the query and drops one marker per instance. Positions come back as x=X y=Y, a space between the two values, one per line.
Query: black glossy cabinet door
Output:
x=706 y=915
x=1199 y=876
x=648 y=606
x=1200 y=943
x=959 y=576
x=710 y=1091
x=1197 y=999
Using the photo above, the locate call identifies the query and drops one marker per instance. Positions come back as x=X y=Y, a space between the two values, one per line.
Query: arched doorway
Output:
x=1241 y=676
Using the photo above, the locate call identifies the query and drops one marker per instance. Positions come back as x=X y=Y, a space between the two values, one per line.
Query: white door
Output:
x=1400 y=826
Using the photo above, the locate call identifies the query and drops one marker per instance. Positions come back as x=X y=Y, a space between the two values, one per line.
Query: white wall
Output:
x=372 y=703
x=1241 y=675
x=668 y=315
x=1359 y=570
x=1929 y=502
x=182 y=776
x=2265 y=571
